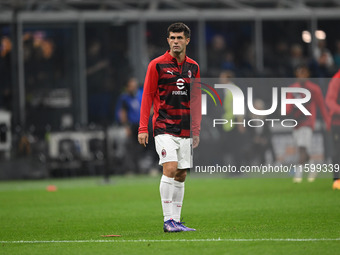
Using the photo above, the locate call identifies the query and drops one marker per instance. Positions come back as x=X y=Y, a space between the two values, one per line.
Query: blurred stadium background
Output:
x=65 y=64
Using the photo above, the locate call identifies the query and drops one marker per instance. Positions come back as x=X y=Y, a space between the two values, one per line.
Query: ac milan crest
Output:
x=163 y=153
x=189 y=74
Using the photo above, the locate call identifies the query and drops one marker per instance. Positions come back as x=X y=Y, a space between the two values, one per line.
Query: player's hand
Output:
x=195 y=141
x=143 y=138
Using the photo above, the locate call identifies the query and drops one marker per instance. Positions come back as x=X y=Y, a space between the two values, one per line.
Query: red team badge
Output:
x=163 y=153
x=189 y=74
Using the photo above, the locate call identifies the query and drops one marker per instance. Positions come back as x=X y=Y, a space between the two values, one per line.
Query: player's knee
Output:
x=303 y=155
x=169 y=169
x=181 y=175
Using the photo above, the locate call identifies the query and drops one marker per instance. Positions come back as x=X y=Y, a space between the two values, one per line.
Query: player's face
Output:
x=302 y=73
x=177 y=42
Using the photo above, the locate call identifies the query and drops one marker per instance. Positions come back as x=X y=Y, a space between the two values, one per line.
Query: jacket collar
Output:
x=171 y=58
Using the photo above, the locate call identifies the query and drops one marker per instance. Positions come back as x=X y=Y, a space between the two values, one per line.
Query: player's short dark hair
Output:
x=179 y=27
x=302 y=66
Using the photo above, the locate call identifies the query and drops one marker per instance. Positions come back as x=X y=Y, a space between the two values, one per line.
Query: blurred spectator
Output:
x=296 y=56
x=235 y=137
x=260 y=138
x=97 y=67
x=337 y=54
x=43 y=74
x=29 y=61
x=280 y=64
x=5 y=73
x=47 y=64
x=226 y=77
x=216 y=54
x=228 y=62
x=247 y=60
x=323 y=55
x=127 y=114
x=6 y=46
x=303 y=132
x=129 y=102
x=324 y=59
x=99 y=100
x=42 y=63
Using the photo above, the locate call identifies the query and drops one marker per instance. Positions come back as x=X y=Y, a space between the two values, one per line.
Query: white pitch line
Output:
x=174 y=240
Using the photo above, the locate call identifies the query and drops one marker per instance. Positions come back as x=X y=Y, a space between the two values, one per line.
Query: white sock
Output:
x=312 y=173
x=298 y=171
x=177 y=200
x=166 y=189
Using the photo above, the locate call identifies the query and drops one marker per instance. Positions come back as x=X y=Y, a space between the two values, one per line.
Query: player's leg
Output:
x=303 y=158
x=166 y=148
x=166 y=189
x=336 y=157
x=184 y=163
x=303 y=138
x=177 y=198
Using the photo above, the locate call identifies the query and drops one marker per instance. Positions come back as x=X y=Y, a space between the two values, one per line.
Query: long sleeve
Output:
x=333 y=94
x=289 y=107
x=150 y=89
x=195 y=106
x=322 y=106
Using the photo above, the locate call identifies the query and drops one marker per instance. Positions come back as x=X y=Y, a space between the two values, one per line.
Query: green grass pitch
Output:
x=232 y=216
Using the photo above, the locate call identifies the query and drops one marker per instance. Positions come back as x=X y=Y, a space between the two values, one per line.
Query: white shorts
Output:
x=171 y=148
x=303 y=137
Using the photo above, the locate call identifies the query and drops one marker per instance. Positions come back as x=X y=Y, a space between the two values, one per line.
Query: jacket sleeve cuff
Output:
x=143 y=130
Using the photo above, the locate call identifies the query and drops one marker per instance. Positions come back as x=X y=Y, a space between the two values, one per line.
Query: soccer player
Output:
x=167 y=87
x=303 y=132
x=333 y=103
x=127 y=115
